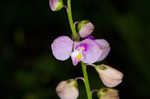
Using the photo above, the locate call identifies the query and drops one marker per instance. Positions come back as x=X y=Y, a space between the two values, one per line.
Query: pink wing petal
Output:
x=105 y=48
x=62 y=47
x=52 y=4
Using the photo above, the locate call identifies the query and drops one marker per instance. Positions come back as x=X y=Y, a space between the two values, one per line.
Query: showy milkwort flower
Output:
x=109 y=76
x=56 y=5
x=88 y=50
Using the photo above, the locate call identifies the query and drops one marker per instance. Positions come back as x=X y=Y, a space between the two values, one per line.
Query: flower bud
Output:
x=85 y=28
x=56 y=5
x=108 y=93
x=109 y=76
x=67 y=89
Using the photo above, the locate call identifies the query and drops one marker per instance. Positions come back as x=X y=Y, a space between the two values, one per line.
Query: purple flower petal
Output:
x=92 y=53
x=62 y=47
x=105 y=48
x=56 y=5
x=82 y=45
x=90 y=37
x=52 y=4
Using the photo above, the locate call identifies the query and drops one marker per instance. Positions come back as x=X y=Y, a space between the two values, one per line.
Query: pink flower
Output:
x=88 y=51
x=67 y=89
x=109 y=76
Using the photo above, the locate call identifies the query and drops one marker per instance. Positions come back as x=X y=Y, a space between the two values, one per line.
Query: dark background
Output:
x=28 y=69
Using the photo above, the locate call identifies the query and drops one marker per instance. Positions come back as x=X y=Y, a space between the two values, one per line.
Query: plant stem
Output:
x=69 y=13
x=86 y=81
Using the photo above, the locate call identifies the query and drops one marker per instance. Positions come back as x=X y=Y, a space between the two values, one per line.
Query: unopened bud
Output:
x=85 y=28
x=67 y=89
x=109 y=76
x=108 y=93
x=56 y=5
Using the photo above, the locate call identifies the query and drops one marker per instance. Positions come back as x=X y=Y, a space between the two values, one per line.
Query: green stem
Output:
x=86 y=81
x=69 y=13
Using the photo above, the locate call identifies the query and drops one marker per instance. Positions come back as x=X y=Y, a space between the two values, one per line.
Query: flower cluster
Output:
x=88 y=50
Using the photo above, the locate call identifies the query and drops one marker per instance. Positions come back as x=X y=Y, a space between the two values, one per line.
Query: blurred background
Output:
x=28 y=69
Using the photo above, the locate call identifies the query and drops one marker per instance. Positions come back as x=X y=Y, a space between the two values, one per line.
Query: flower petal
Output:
x=110 y=77
x=109 y=82
x=56 y=5
x=91 y=53
x=108 y=93
x=52 y=4
x=104 y=46
x=90 y=37
x=112 y=72
x=62 y=47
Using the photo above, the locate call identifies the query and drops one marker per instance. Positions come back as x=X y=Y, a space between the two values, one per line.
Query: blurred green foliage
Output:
x=28 y=69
